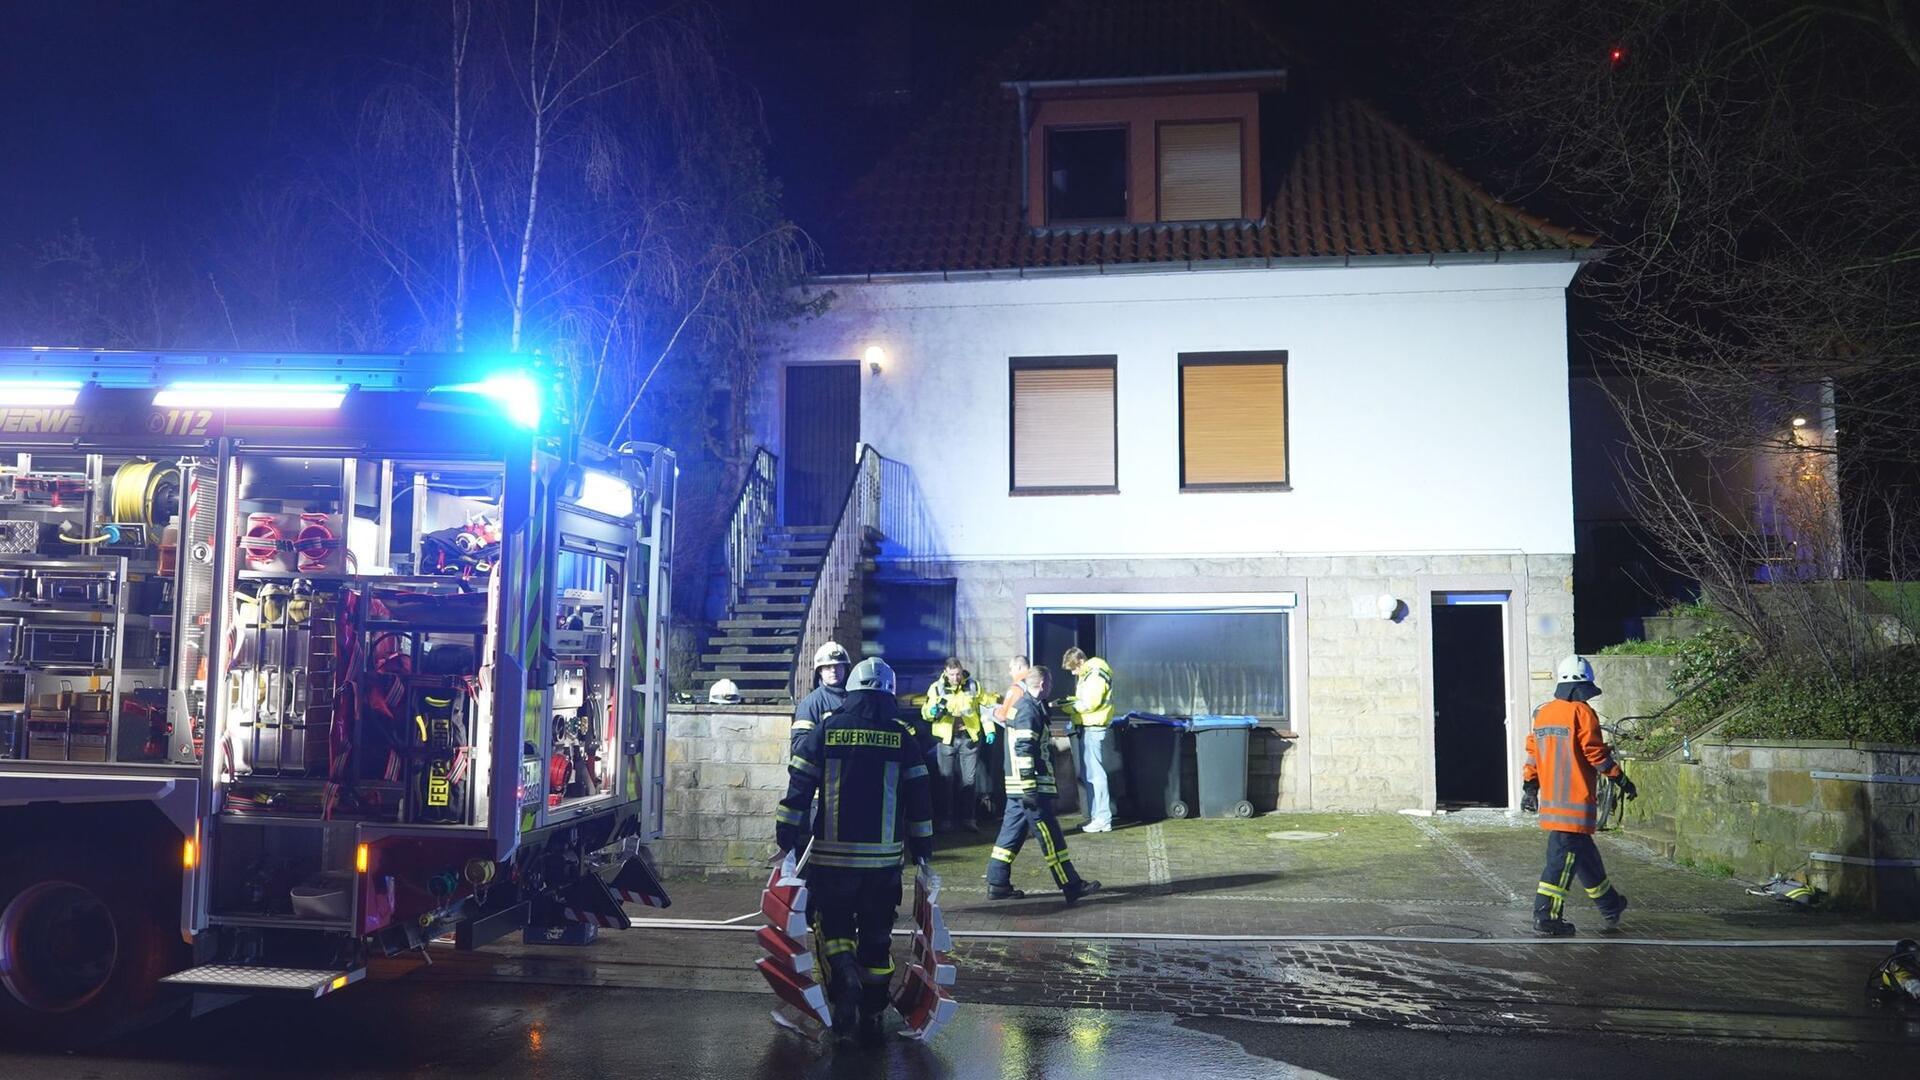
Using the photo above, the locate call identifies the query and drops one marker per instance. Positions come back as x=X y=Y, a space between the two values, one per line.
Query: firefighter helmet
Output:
x=1574 y=669
x=829 y=654
x=723 y=692
x=871 y=674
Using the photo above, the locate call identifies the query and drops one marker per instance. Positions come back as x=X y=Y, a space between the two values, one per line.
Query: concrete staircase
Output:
x=756 y=647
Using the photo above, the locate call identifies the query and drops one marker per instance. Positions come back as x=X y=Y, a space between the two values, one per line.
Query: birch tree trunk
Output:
x=461 y=29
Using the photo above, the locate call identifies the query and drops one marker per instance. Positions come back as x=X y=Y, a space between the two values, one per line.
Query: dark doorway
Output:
x=823 y=425
x=1469 y=703
x=909 y=624
x=1053 y=634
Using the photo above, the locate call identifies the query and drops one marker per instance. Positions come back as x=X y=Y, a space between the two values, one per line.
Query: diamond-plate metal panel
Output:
x=250 y=977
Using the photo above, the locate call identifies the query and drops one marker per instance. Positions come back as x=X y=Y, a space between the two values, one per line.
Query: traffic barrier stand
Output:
x=789 y=966
x=637 y=882
x=922 y=1002
x=590 y=901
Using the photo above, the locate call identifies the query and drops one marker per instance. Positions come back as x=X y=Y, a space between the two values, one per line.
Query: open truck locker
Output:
x=305 y=659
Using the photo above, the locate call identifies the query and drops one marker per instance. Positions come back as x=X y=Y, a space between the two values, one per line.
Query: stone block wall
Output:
x=1631 y=686
x=726 y=774
x=1844 y=817
x=1360 y=692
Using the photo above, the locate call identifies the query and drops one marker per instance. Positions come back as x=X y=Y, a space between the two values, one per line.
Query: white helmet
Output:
x=723 y=693
x=1574 y=669
x=871 y=674
x=830 y=653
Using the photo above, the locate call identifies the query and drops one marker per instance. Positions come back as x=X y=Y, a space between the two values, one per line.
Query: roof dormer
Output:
x=1140 y=151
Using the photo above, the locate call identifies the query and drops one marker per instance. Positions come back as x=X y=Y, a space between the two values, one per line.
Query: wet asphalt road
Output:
x=528 y=1030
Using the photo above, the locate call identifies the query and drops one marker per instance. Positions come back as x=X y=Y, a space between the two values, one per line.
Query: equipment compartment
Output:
x=66 y=646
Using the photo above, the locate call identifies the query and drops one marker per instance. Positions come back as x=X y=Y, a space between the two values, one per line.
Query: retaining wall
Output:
x=1843 y=816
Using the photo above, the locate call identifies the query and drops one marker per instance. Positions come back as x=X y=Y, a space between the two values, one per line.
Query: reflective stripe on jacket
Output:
x=1093 y=693
x=1566 y=753
x=961 y=703
x=1030 y=750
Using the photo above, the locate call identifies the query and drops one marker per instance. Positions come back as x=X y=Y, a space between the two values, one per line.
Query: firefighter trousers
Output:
x=1572 y=855
x=955 y=798
x=854 y=912
x=1031 y=816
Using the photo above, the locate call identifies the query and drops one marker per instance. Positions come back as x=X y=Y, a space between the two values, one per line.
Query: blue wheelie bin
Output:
x=1151 y=756
x=1220 y=744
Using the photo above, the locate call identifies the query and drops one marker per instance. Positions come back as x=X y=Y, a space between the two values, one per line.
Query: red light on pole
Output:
x=1617 y=56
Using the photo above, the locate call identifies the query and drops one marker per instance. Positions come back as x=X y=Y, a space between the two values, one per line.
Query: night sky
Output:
x=140 y=119
x=135 y=117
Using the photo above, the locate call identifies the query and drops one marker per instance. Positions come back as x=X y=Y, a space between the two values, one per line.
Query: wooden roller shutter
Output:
x=1200 y=171
x=1233 y=422
x=1063 y=426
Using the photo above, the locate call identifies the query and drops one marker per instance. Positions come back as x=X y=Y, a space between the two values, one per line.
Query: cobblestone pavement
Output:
x=1325 y=919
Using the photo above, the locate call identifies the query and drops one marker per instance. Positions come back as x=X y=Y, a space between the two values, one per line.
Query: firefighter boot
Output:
x=844 y=994
x=873 y=1009
x=1552 y=928
x=1080 y=890
x=1612 y=918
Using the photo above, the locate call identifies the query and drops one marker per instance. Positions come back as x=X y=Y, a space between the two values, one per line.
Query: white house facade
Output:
x=1427 y=464
x=1178 y=354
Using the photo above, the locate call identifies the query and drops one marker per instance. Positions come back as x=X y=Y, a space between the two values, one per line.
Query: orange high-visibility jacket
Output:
x=1565 y=753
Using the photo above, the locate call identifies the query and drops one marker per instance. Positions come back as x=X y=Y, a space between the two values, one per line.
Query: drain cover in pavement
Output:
x=1435 y=930
x=1299 y=834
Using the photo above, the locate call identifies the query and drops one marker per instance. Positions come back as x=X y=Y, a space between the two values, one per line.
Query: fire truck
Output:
x=311 y=659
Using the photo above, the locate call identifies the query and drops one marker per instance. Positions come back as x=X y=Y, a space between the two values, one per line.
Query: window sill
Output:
x=1023 y=493
x=1209 y=489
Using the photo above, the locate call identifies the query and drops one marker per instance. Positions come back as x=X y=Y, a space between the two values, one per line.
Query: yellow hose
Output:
x=136 y=491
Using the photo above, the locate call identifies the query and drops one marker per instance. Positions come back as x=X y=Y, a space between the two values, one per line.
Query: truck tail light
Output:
x=360 y=859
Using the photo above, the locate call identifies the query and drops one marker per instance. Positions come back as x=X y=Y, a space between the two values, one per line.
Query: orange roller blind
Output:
x=1234 y=423
x=1200 y=171
x=1063 y=428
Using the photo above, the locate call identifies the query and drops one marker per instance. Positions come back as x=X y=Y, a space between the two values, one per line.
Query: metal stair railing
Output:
x=1633 y=729
x=840 y=569
x=753 y=510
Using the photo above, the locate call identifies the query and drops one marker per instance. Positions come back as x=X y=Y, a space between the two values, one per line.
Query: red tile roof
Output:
x=1350 y=181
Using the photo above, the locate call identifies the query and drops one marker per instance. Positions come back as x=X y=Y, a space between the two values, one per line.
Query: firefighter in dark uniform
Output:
x=875 y=807
x=1030 y=793
x=830 y=662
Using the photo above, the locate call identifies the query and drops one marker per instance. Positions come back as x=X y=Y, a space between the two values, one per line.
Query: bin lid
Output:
x=1154 y=718
x=1203 y=723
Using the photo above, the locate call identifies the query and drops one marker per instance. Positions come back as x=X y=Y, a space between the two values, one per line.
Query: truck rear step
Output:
x=260 y=979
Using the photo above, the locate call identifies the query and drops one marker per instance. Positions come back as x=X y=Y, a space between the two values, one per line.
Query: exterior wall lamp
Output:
x=876 y=358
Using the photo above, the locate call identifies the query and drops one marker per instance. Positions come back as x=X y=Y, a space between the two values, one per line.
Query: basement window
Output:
x=1225 y=654
x=1086 y=175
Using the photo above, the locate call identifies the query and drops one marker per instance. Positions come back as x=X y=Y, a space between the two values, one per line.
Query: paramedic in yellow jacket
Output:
x=1093 y=750
x=952 y=712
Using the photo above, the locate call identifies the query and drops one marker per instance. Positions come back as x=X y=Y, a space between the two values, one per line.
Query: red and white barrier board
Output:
x=789 y=965
x=922 y=1002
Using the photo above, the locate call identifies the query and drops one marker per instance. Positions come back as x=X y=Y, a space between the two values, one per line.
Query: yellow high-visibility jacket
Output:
x=1092 y=703
x=960 y=703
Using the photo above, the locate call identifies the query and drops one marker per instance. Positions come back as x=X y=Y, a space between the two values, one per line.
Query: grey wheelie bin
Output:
x=1220 y=744
x=1151 y=754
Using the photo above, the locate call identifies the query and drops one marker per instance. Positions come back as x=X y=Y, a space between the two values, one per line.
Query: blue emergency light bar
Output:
x=38 y=392
x=299 y=381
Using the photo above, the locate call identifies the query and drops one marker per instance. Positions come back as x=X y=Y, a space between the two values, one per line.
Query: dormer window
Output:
x=1109 y=152
x=1200 y=174
x=1086 y=175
